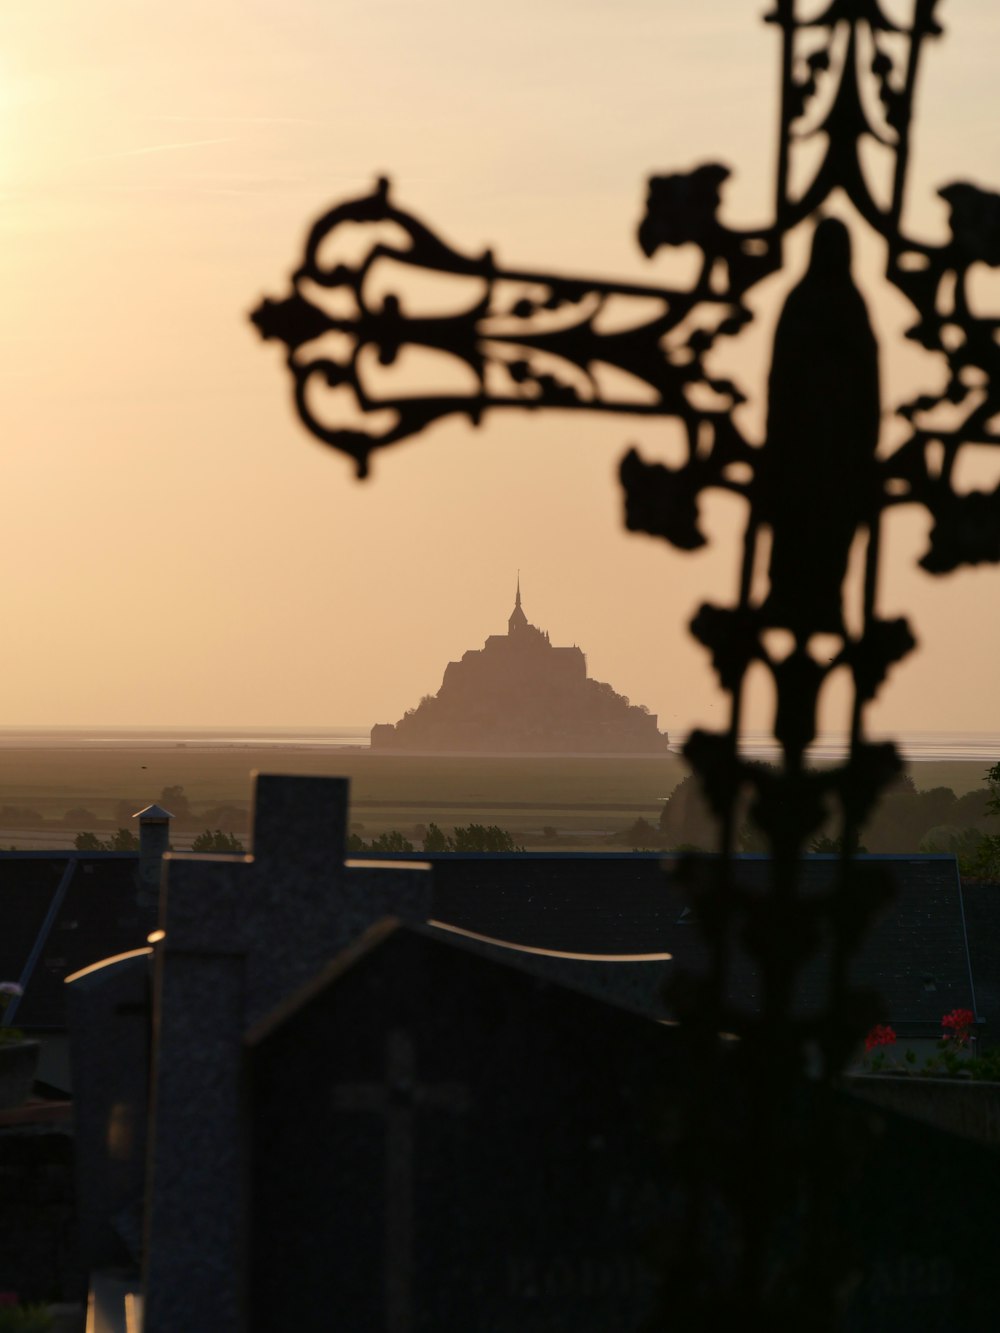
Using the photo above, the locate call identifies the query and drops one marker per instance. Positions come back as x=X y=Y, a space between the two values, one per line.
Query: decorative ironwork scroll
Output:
x=506 y=327
x=817 y=483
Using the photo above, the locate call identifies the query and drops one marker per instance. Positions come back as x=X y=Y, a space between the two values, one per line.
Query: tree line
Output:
x=124 y=840
x=905 y=820
x=464 y=838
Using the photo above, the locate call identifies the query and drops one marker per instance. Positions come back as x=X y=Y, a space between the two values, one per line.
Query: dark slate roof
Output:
x=27 y=889
x=602 y=904
x=59 y=912
x=916 y=955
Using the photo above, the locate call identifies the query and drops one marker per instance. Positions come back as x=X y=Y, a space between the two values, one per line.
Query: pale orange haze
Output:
x=176 y=550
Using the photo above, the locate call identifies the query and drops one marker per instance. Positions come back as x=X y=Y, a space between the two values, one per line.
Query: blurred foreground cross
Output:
x=823 y=475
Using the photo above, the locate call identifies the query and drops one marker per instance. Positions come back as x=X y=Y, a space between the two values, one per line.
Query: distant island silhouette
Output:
x=520 y=695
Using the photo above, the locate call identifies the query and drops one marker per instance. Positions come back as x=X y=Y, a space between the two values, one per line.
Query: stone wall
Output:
x=971 y=1110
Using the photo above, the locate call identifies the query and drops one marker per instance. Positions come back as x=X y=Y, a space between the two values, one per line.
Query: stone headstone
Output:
x=443 y=1142
x=241 y=935
x=110 y=1017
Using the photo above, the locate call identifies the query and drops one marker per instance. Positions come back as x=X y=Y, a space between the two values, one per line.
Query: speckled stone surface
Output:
x=442 y=1142
x=242 y=936
x=110 y=1028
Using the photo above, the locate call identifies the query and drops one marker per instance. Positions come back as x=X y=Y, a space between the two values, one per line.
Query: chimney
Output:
x=154 y=840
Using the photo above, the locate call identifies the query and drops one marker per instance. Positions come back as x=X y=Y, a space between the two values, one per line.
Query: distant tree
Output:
x=831 y=846
x=974 y=809
x=825 y=845
x=949 y=838
x=984 y=862
x=640 y=836
x=391 y=841
x=937 y=805
x=214 y=840
x=175 y=800
x=79 y=815
x=436 y=840
x=122 y=840
x=470 y=838
x=907 y=820
x=484 y=838
x=752 y=838
x=19 y=816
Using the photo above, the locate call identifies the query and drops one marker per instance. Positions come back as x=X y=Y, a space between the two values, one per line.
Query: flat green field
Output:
x=49 y=779
x=582 y=798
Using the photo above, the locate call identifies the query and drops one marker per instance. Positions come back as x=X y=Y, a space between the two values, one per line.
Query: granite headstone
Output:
x=240 y=935
x=442 y=1142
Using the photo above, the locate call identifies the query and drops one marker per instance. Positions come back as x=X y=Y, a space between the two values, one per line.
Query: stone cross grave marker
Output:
x=241 y=935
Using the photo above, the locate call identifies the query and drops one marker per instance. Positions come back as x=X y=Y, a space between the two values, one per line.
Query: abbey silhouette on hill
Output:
x=520 y=695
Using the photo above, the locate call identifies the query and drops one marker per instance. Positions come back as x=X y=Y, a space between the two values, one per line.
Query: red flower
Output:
x=880 y=1035
x=957 y=1024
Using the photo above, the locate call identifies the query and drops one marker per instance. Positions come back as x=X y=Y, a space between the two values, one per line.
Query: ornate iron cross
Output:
x=819 y=480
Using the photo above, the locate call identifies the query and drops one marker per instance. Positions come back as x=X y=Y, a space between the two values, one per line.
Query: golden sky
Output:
x=175 y=548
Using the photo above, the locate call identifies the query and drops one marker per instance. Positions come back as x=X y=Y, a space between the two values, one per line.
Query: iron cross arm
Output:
x=518 y=339
x=507 y=338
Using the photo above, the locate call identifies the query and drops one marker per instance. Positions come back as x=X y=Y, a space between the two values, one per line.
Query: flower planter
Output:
x=18 y=1062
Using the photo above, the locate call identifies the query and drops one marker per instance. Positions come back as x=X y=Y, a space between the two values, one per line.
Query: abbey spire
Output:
x=518 y=620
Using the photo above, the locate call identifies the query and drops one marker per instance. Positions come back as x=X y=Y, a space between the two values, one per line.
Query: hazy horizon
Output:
x=978 y=747
x=177 y=549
